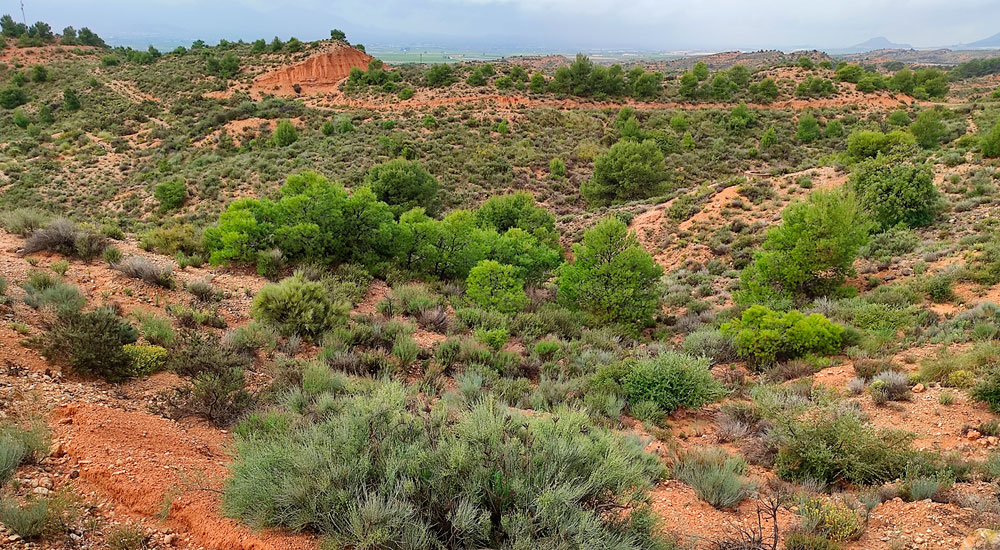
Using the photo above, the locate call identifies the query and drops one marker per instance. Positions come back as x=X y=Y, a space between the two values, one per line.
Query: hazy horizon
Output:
x=531 y=25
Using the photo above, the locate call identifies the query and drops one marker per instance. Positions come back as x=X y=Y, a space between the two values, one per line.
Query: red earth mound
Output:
x=140 y=461
x=317 y=74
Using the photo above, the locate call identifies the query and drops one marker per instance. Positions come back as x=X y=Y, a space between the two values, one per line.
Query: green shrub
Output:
x=353 y=463
x=896 y=192
x=495 y=339
x=285 y=134
x=798 y=540
x=763 y=336
x=20 y=445
x=834 y=521
x=987 y=390
x=716 y=477
x=496 y=287
x=808 y=129
x=23 y=221
x=403 y=185
x=864 y=144
x=27 y=522
x=672 y=380
x=629 y=170
x=612 y=276
x=93 y=343
x=298 y=306
x=145 y=359
x=811 y=253
x=171 y=194
x=841 y=448
x=155 y=329
x=990 y=142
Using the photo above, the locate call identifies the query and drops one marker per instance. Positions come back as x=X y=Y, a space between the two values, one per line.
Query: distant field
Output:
x=411 y=55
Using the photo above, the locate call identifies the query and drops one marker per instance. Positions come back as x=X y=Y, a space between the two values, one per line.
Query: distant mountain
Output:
x=877 y=43
x=991 y=42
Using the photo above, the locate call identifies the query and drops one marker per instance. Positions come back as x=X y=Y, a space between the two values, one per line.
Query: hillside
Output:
x=280 y=295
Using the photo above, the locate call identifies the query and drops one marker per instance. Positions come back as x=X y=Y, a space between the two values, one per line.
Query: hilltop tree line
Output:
x=40 y=33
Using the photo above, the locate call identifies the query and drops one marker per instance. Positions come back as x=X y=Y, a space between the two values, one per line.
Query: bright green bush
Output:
x=496 y=287
x=378 y=466
x=629 y=170
x=990 y=142
x=171 y=194
x=811 y=253
x=864 y=144
x=763 y=336
x=672 y=380
x=145 y=359
x=612 y=276
x=895 y=192
x=285 y=134
x=299 y=306
x=808 y=129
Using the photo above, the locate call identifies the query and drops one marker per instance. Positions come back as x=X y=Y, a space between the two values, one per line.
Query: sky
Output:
x=531 y=25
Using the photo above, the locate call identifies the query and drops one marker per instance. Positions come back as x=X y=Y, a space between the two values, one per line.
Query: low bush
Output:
x=141 y=268
x=23 y=221
x=832 y=520
x=353 y=463
x=20 y=445
x=716 y=477
x=672 y=380
x=28 y=521
x=987 y=390
x=145 y=359
x=841 y=448
x=763 y=336
x=298 y=306
x=92 y=343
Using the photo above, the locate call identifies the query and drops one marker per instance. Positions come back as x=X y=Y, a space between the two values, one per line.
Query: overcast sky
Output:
x=556 y=25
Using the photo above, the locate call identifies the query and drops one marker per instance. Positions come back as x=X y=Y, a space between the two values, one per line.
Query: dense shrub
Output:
x=612 y=276
x=299 y=306
x=716 y=477
x=629 y=170
x=841 y=448
x=145 y=359
x=93 y=343
x=285 y=134
x=811 y=253
x=171 y=194
x=403 y=185
x=419 y=480
x=496 y=286
x=896 y=192
x=864 y=144
x=764 y=336
x=672 y=380
x=315 y=220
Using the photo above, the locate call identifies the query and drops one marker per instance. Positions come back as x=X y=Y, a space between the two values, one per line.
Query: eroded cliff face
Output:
x=318 y=73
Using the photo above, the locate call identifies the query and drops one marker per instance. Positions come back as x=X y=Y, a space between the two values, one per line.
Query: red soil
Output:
x=317 y=74
x=139 y=460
